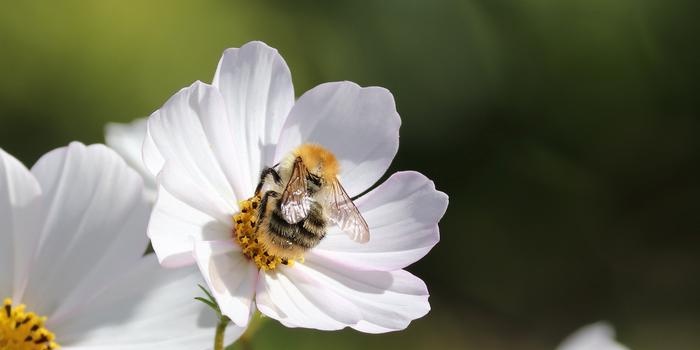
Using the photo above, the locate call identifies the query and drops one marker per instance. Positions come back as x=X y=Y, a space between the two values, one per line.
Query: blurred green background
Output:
x=565 y=133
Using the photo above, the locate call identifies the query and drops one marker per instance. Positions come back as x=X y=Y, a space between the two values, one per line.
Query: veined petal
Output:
x=257 y=87
x=327 y=295
x=176 y=137
x=175 y=225
x=192 y=193
x=359 y=125
x=93 y=224
x=296 y=297
x=387 y=300
x=144 y=307
x=151 y=157
x=597 y=336
x=19 y=192
x=402 y=213
x=231 y=278
x=127 y=140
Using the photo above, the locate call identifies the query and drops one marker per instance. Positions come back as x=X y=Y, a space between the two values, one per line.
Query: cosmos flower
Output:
x=208 y=145
x=72 y=271
x=597 y=336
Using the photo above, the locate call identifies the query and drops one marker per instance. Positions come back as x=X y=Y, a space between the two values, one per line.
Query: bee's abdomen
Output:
x=315 y=223
x=306 y=233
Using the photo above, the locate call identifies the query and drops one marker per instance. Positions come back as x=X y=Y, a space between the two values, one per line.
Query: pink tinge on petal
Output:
x=359 y=125
x=325 y=295
x=402 y=214
x=296 y=298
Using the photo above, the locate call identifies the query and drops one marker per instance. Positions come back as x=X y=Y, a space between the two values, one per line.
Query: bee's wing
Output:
x=343 y=212
x=296 y=203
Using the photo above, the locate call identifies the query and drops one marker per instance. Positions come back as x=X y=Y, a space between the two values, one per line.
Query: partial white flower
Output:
x=127 y=140
x=208 y=144
x=71 y=250
x=597 y=336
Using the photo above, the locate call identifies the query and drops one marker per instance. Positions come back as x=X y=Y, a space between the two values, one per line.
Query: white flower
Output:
x=597 y=336
x=71 y=250
x=208 y=145
x=127 y=139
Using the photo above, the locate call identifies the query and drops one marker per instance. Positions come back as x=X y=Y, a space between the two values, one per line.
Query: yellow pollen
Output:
x=245 y=234
x=21 y=330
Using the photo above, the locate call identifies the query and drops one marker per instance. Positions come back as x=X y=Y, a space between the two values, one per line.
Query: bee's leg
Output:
x=263 y=176
x=263 y=203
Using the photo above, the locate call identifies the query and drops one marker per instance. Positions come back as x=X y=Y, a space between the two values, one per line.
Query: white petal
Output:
x=359 y=125
x=19 y=194
x=257 y=87
x=93 y=226
x=402 y=213
x=231 y=278
x=127 y=140
x=144 y=307
x=327 y=295
x=296 y=297
x=176 y=137
x=597 y=336
x=152 y=159
x=176 y=225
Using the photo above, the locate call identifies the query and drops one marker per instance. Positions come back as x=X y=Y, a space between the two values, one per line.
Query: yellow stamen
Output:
x=21 y=330
x=245 y=234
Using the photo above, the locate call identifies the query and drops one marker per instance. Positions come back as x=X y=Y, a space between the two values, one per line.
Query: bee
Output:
x=301 y=200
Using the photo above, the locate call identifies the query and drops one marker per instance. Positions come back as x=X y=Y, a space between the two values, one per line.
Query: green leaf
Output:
x=209 y=303
x=211 y=297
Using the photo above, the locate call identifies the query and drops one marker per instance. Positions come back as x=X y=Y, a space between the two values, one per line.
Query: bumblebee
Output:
x=299 y=201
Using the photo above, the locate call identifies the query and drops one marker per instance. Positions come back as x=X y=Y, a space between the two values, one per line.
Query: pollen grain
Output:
x=246 y=235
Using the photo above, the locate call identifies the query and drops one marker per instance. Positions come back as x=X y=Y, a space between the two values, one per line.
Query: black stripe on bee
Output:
x=315 y=179
x=306 y=233
x=313 y=184
x=315 y=222
x=263 y=203
x=263 y=177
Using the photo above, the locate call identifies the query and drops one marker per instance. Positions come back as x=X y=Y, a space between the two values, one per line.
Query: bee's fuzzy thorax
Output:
x=318 y=160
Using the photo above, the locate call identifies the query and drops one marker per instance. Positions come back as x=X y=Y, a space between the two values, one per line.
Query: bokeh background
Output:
x=565 y=132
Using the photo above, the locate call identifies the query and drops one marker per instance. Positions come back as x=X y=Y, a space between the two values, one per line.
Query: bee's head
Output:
x=320 y=162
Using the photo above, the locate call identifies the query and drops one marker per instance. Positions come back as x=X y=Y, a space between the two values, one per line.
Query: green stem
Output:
x=220 y=331
x=246 y=340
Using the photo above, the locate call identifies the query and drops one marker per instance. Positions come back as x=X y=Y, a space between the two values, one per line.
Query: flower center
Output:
x=21 y=330
x=245 y=233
